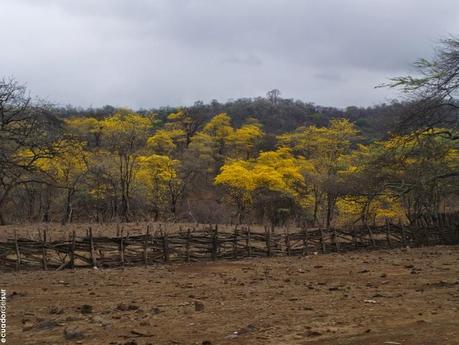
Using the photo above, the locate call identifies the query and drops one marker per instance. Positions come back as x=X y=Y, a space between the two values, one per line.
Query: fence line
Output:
x=209 y=243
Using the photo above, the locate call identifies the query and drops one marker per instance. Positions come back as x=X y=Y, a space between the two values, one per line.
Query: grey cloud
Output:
x=330 y=77
x=149 y=53
x=250 y=60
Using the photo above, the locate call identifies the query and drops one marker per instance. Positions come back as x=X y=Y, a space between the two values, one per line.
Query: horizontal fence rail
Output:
x=192 y=244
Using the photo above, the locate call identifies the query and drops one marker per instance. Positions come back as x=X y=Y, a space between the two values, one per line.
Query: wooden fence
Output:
x=192 y=244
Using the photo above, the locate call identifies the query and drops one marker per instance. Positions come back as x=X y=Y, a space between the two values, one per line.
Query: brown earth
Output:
x=408 y=297
x=57 y=231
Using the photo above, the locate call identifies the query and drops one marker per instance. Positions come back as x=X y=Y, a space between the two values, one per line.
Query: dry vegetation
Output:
x=381 y=297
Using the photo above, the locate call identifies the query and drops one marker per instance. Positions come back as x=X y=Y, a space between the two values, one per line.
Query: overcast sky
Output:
x=148 y=53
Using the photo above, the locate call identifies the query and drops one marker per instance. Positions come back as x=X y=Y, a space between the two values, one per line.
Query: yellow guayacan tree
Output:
x=380 y=208
x=218 y=141
x=166 y=141
x=159 y=176
x=244 y=139
x=210 y=145
x=239 y=182
x=274 y=171
x=184 y=122
x=104 y=184
x=85 y=128
x=325 y=148
x=125 y=134
x=67 y=169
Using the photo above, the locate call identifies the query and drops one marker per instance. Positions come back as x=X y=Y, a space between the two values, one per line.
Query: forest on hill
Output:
x=263 y=160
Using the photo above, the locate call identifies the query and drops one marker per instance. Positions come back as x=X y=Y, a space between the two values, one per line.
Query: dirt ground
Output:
x=382 y=297
x=57 y=231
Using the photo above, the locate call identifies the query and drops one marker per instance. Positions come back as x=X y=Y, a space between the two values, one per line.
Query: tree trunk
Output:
x=330 y=205
x=316 y=208
x=68 y=207
x=2 y=219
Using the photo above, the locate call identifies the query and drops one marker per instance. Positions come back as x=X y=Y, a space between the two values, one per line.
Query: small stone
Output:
x=198 y=306
x=155 y=311
x=127 y=307
x=72 y=318
x=86 y=309
x=73 y=334
x=122 y=307
x=101 y=321
x=56 y=310
x=140 y=333
x=28 y=325
x=46 y=324
x=372 y=301
x=130 y=342
x=313 y=334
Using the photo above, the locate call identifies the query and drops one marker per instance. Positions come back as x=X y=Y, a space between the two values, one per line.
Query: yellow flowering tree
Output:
x=159 y=176
x=67 y=169
x=278 y=173
x=325 y=148
x=125 y=135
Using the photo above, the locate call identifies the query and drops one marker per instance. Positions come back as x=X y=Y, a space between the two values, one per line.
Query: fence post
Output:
x=188 y=240
x=268 y=241
x=370 y=233
x=165 y=246
x=426 y=234
x=235 y=241
x=72 y=250
x=43 y=252
x=403 y=235
x=247 y=242
x=322 y=241
x=145 y=246
x=121 y=246
x=92 y=250
x=305 y=242
x=335 y=241
x=388 y=234
x=215 y=243
x=354 y=236
x=287 y=242
x=18 y=252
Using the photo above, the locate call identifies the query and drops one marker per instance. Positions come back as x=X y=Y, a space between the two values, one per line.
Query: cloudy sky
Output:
x=147 y=53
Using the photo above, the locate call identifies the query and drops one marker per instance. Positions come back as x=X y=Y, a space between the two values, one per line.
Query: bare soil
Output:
x=408 y=297
x=57 y=231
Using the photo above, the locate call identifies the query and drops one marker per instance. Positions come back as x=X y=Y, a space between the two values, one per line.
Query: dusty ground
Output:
x=57 y=231
x=382 y=297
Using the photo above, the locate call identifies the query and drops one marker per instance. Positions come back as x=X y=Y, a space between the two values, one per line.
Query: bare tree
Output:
x=433 y=92
x=273 y=96
x=23 y=138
